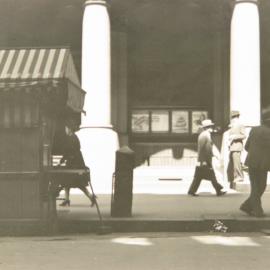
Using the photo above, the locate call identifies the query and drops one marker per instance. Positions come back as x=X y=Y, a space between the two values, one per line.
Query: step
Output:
x=206 y=224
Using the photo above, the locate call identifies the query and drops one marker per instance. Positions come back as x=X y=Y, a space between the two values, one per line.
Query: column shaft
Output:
x=99 y=141
x=96 y=65
x=245 y=62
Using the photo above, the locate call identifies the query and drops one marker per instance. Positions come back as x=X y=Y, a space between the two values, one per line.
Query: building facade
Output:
x=152 y=69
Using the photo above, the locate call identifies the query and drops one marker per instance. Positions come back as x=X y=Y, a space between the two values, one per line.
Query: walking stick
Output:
x=103 y=229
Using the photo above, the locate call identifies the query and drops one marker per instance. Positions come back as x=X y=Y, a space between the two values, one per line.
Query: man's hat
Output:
x=235 y=114
x=207 y=123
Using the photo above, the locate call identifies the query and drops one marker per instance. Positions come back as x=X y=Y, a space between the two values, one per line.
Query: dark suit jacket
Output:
x=205 y=147
x=72 y=153
x=258 y=148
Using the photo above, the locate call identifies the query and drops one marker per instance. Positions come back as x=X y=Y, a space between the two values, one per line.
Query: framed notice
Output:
x=180 y=122
x=197 y=118
x=160 y=121
x=140 y=121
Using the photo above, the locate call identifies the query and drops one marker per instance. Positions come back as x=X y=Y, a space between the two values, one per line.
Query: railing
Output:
x=170 y=161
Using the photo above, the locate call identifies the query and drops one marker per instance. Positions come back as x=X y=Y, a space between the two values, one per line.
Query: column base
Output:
x=98 y=146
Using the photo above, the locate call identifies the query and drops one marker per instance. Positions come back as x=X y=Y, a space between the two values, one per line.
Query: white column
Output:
x=96 y=64
x=245 y=62
x=98 y=140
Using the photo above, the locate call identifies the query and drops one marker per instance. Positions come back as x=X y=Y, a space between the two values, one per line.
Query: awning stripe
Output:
x=3 y=62
x=54 y=62
x=26 y=71
x=49 y=64
x=38 y=64
x=12 y=64
x=58 y=68
x=2 y=53
x=43 y=64
x=17 y=65
x=7 y=64
x=33 y=64
x=24 y=59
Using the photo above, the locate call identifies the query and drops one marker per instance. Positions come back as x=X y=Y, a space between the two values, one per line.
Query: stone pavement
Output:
x=160 y=204
x=137 y=251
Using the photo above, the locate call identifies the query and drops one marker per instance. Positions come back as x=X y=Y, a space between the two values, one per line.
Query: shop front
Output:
x=39 y=90
x=180 y=61
x=177 y=74
x=151 y=69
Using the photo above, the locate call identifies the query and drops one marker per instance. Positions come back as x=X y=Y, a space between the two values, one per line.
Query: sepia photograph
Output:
x=134 y=134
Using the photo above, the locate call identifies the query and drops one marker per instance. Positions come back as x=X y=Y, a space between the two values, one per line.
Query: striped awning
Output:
x=24 y=67
x=23 y=64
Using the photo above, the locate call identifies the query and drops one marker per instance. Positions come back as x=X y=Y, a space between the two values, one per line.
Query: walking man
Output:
x=205 y=154
x=236 y=135
x=258 y=162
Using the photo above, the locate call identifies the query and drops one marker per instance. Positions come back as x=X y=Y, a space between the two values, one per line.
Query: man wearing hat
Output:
x=258 y=162
x=236 y=135
x=205 y=154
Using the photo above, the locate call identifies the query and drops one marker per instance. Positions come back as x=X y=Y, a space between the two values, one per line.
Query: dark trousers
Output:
x=204 y=172
x=258 y=180
x=234 y=170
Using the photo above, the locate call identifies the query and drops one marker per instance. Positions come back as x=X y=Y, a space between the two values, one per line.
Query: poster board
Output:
x=197 y=117
x=180 y=121
x=140 y=121
x=160 y=121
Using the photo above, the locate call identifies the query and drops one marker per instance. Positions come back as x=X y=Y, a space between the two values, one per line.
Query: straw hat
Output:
x=235 y=114
x=207 y=123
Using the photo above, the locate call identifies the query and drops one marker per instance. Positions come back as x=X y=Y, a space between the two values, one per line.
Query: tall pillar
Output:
x=98 y=139
x=245 y=93
x=245 y=61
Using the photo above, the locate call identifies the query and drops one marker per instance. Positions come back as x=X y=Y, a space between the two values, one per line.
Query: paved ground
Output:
x=166 y=207
x=160 y=204
x=154 y=198
x=163 y=205
x=160 y=251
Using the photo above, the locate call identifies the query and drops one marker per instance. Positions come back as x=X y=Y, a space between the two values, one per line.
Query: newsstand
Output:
x=39 y=89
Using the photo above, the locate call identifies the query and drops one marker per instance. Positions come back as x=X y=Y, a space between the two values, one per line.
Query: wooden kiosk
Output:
x=39 y=89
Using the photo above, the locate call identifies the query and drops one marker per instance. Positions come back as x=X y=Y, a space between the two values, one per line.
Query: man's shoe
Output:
x=244 y=168
x=245 y=210
x=232 y=185
x=252 y=213
x=221 y=193
x=193 y=194
x=65 y=203
x=258 y=215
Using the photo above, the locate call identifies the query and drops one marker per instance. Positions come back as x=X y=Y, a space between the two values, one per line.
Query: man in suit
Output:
x=205 y=154
x=258 y=162
x=236 y=135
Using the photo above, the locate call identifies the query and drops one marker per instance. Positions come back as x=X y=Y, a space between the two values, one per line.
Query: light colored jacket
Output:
x=236 y=136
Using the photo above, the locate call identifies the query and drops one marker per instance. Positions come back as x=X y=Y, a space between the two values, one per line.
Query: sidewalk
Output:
x=162 y=205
